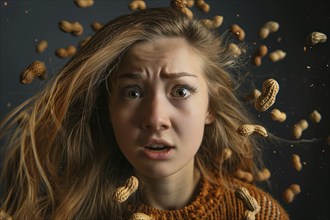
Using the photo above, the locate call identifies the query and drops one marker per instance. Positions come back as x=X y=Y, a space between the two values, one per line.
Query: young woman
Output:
x=149 y=96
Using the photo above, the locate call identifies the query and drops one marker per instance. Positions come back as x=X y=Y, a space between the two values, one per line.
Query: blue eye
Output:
x=183 y=91
x=131 y=92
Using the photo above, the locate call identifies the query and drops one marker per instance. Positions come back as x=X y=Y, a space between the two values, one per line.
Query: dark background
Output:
x=303 y=75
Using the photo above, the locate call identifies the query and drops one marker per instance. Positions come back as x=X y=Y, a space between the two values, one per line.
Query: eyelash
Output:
x=127 y=89
x=191 y=90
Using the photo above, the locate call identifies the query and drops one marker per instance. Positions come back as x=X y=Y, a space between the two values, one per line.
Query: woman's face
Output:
x=159 y=106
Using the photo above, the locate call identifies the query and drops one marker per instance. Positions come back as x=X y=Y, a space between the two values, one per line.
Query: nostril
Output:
x=154 y=127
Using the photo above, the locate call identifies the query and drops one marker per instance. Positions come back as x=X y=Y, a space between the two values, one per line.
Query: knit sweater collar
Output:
x=202 y=205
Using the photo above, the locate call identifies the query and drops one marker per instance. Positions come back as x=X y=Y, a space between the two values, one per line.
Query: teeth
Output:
x=156 y=146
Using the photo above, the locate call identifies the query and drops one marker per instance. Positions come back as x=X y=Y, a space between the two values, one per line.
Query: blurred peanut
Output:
x=74 y=28
x=238 y=31
x=252 y=97
x=277 y=115
x=277 y=55
x=315 y=116
x=234 y=49
x=137 y=5
x=65 y=26
x=202 y=5
x=272 y=26
x=41 y=46
x=264 y=174
x=84 y=3
x=190 y=3
x=35 y=69
x=316 y=37
x=96 y=26
x=122 y=193
x=248 y=129
x=141 y=216
x=182 y=6
x=268 y=94
x=263 y=33
x=299 y=128
x=66 y=52
x=261 y=52
x=213 y=23
x=77 y=28
x=267 y=28
x=244 y=175
x=296 y=162
x=226 y=153
x=289 y=194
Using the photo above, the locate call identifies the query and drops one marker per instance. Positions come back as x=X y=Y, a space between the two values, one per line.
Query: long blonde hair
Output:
x=62 y=160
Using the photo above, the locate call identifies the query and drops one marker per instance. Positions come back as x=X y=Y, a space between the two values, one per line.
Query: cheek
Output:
x=122 y=123
x=190 y=137
x=195 y=120
x=120 y=114
x=191 y=123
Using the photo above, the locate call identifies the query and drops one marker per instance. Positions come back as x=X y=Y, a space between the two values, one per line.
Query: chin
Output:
x=158 y=171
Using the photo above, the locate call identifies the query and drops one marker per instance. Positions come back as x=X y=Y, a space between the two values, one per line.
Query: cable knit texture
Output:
x=215 y=202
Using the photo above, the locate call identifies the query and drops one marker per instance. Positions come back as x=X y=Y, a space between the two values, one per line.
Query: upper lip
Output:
x=158 y=142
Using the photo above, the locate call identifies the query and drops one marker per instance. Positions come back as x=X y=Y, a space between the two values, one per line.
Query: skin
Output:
x=161 y=98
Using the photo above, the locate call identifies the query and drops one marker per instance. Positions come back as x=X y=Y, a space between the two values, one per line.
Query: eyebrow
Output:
x=165 y=75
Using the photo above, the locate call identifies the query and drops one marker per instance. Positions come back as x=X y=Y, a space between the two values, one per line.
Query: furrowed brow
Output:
x=129 y=76
x=163 y=75
x=177 y=75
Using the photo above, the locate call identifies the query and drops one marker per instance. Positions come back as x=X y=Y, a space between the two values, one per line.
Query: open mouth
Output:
x=158 y=148
x=159 y=151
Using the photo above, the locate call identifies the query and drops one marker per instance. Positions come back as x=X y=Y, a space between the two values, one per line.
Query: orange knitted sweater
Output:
x=214 y=202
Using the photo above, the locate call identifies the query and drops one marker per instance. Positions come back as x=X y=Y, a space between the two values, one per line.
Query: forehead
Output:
x=173 y=50
x=165 y=44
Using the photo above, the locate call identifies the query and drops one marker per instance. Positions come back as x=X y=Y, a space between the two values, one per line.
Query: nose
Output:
x=156 y=113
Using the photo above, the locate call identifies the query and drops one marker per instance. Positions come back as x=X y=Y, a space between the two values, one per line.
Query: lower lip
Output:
x=158 y=155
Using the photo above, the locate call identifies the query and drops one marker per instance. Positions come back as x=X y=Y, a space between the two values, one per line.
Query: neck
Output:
x=171 y=192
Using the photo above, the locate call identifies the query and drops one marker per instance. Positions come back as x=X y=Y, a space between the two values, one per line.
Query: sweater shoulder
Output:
x=270 y=208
